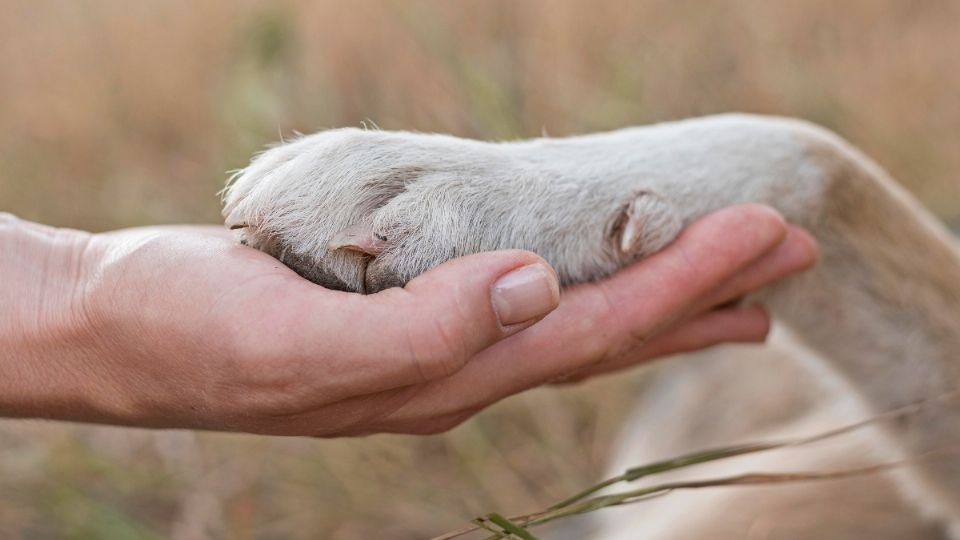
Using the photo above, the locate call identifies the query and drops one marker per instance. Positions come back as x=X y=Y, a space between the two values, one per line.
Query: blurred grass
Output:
x=117 y=114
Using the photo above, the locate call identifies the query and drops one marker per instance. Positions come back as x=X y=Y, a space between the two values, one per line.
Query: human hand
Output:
x=181 y=327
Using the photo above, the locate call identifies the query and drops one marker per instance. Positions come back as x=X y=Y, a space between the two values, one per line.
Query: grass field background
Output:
x=116 y=114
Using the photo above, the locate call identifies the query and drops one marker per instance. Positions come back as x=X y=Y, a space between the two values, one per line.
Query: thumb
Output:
x=444 y=317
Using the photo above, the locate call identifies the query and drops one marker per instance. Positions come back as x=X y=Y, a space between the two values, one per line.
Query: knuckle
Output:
x=610 y=327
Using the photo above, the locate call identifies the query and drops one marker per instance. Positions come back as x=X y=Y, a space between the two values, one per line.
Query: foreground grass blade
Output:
x=510 y=527
x=714 y=454
x=626 y=497
x=668 y=465
x=581 y=504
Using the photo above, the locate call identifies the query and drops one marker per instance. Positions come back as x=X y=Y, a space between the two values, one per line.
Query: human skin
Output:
x=181 y=327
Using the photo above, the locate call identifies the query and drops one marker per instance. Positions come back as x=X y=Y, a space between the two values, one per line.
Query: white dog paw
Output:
x=366 y=210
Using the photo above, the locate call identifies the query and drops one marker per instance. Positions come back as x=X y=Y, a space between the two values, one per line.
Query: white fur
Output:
x=880 y=314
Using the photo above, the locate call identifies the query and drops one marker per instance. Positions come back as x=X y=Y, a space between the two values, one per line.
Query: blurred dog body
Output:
x=747 y=394
x=875 y=326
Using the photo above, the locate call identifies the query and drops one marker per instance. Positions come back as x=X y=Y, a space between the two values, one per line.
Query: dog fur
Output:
x=875 y=326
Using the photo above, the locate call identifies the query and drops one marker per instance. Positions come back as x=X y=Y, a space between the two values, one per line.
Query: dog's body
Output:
x=744 y=394
x=877 y=321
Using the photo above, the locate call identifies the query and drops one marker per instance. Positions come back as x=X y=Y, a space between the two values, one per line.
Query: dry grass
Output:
x=117 y=114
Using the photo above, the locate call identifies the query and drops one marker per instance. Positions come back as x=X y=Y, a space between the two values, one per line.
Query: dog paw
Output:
x=362 y=211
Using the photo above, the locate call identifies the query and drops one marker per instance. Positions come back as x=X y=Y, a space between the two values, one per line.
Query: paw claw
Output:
x=630 y=235
x=633 y=221
x=646 y=225
x=360 y=238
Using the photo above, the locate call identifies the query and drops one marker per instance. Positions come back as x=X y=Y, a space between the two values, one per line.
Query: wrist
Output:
x=43 y=325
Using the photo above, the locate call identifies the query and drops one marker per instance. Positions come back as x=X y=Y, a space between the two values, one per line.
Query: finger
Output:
x=374 y=413
x=741 y=324
x=798 y=252
x=429 y=329
x=600 y=321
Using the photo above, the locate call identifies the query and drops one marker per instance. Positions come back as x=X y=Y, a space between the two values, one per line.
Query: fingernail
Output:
x=525 y=294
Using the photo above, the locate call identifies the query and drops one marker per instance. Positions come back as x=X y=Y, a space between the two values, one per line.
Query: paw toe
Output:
x=645 y=225
x=380 y=276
